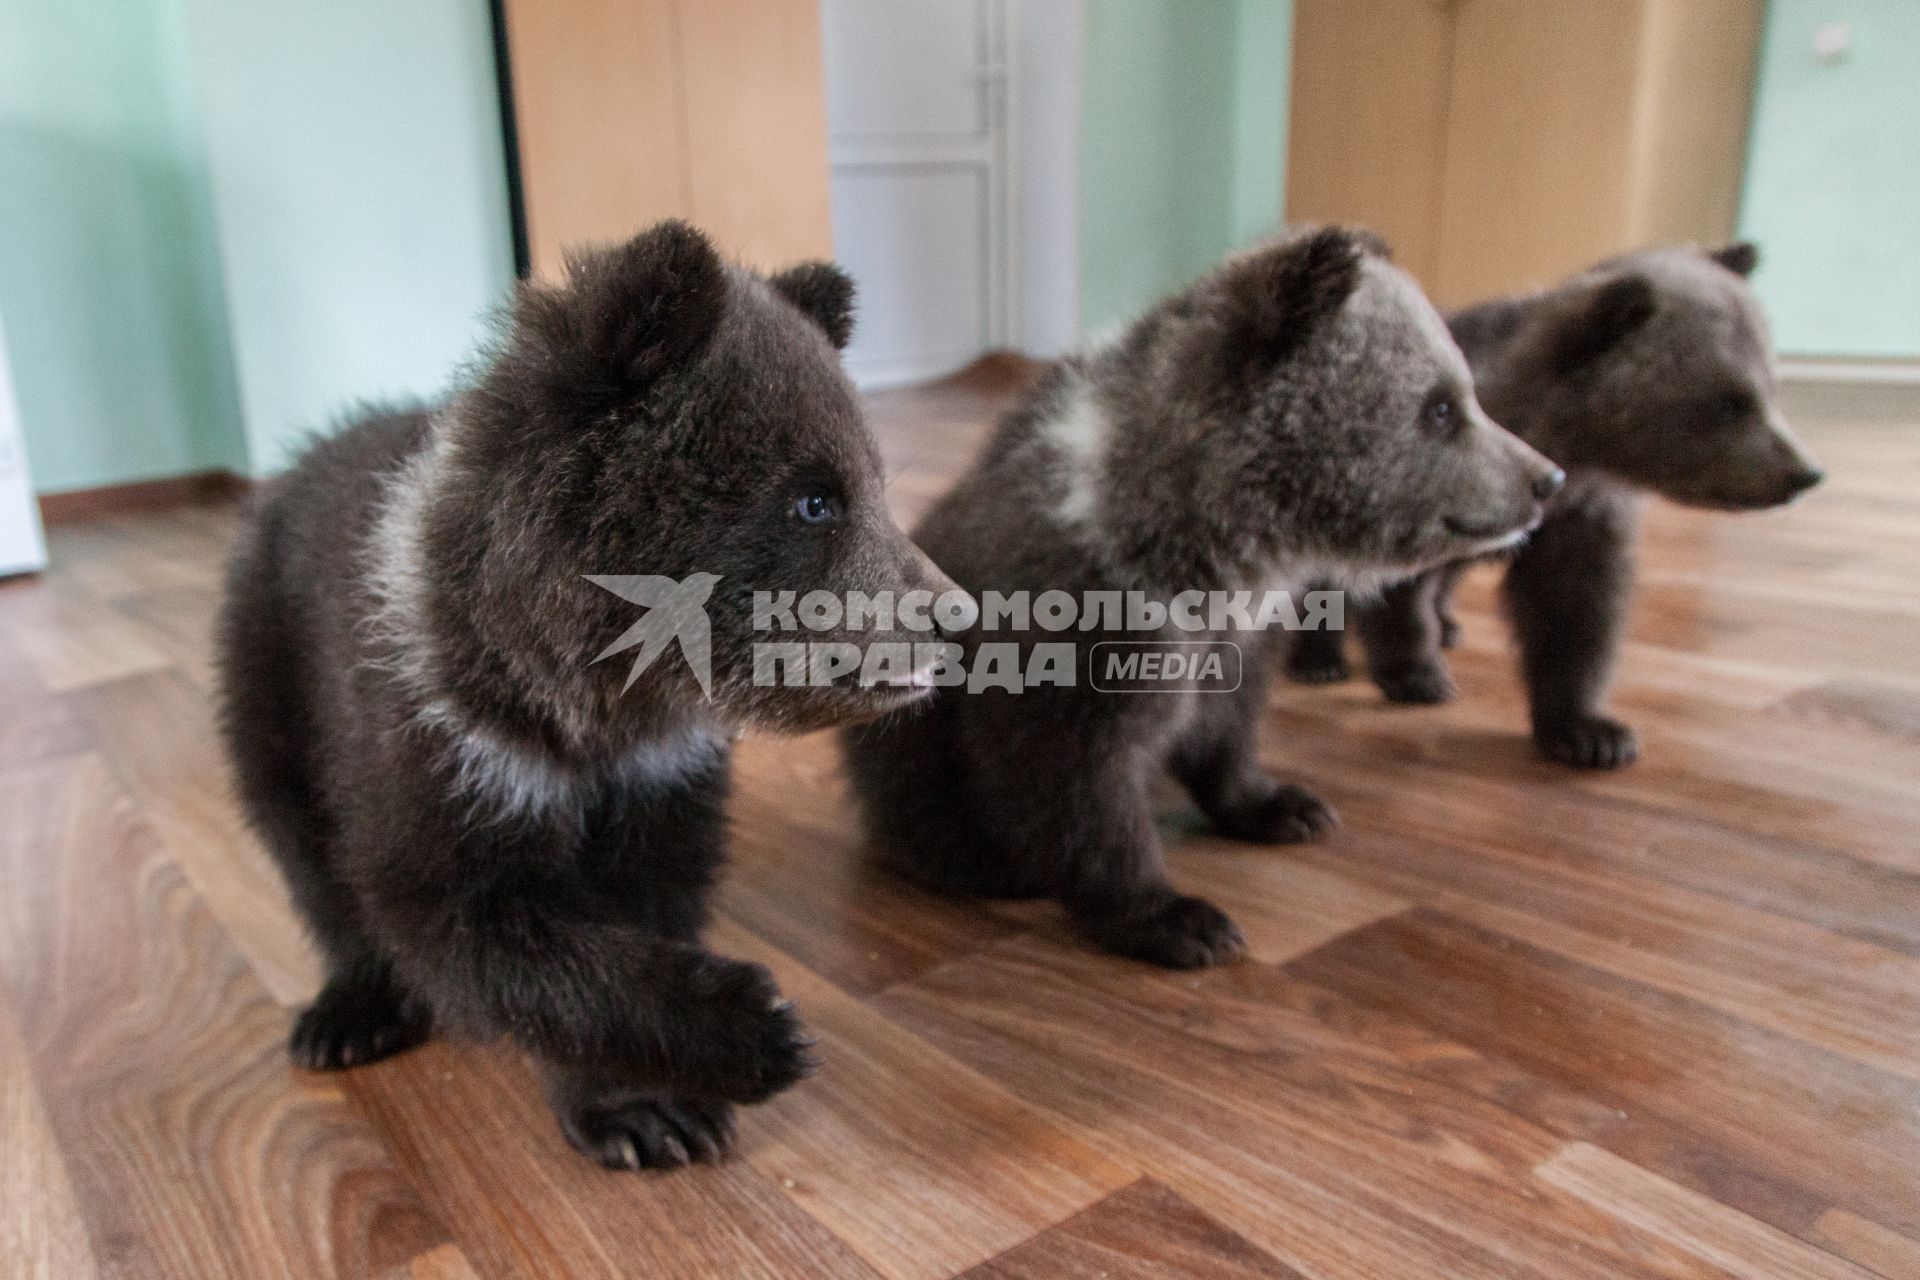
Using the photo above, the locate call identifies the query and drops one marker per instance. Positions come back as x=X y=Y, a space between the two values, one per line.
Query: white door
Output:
x=917 y=132
x=21 y=546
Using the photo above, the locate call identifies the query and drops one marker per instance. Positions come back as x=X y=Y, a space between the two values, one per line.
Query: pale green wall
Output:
x=362 y=210
x=1833 y=180
x=222 y=222
x=1183 y=134
x=1263 y=70
x=108 y=274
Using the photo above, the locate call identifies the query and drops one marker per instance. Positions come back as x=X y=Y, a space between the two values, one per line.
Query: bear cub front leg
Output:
x=362 y=1015
x=1160 y=926
x=623 y=1125
x=744 y=1045
x=1318 y=657
x=1080 y=815
x=721 y=1034
x=1218 y=762
x=1567 y=590
x=1403 y=635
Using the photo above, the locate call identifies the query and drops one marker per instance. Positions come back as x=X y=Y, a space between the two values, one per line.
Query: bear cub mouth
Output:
x=1501 y=533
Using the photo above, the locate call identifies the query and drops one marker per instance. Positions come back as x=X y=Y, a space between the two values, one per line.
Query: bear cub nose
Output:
x=1804 y=479
x=1549 y=484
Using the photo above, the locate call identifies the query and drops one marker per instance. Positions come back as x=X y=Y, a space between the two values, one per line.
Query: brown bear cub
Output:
x=1650 y=372
x=489 y=832
x=1299 y=412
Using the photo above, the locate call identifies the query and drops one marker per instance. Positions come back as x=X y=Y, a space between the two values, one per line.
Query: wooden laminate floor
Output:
x=1510 y=1021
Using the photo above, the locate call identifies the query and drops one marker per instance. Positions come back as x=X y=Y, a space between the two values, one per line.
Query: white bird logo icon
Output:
x=676 y=610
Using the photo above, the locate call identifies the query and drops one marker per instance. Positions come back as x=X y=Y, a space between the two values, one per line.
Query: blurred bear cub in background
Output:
x=1650 y=372
x=487 y=830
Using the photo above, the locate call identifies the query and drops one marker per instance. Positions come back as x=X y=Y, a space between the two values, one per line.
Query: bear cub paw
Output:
x=1179 y=933
x=651 y=1133
x=354 y=1021
x=1313 y=661
x=1422 y=683
x=1285 y=815
x=1588 y=742
x=747 y=1043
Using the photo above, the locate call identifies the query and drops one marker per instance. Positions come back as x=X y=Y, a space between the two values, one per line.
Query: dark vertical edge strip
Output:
x=510 y=140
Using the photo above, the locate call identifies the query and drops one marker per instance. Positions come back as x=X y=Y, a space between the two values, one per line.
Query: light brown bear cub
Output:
x=1652 y=372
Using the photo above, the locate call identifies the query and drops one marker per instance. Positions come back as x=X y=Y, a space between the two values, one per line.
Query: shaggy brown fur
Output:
x=487 y=832
x=1650 y=373
x=1300 y=411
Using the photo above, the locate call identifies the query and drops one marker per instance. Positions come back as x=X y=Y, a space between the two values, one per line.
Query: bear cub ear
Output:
x=824 y=294
x=1741 y=258
x=624 y=316
x=1277 y=298
x=1602 y=320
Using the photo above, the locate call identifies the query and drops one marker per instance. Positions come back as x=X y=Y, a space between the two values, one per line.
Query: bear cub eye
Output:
x=1733 y=407
x=1440 y=414
x=816 y=508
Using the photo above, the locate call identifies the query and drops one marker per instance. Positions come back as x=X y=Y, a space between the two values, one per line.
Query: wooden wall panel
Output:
x=1538 y=142
x=630 y=111
x=1367 y=128
x=1696 y=99
x=1501 y=144
x=756 y=110
x=597 y=101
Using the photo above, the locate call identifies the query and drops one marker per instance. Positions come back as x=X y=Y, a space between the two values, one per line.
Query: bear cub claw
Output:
x=352 y=1023
x=1588 y=742
x=1285 y=815
x=1417 y=683
x=651 y=1133
x=1180 y=933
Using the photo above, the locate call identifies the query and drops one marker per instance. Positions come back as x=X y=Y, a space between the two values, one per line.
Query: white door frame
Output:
x=987 y=152
x=1030 y=74
x=23 y=546
x=1045 y=43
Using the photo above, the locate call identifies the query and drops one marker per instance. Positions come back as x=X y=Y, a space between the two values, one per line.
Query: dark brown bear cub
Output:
x=489 y=832
x=1652 y=372
x=1300 y=411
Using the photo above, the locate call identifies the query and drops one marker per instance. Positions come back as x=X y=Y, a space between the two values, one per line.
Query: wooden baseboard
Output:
x=141 y=495
x=1879 y=373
